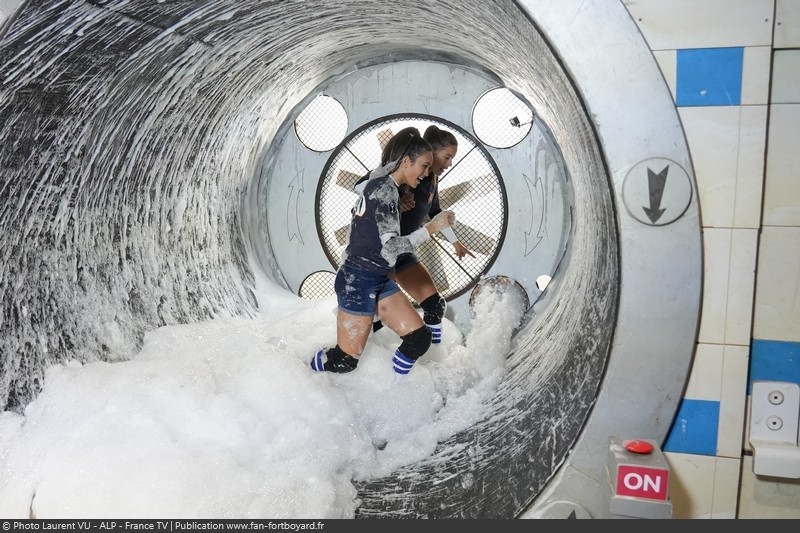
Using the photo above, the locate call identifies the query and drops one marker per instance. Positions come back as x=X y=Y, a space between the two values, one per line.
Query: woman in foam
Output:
x=364 y=285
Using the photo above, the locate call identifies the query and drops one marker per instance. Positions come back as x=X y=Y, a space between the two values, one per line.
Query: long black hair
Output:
x=439 y=138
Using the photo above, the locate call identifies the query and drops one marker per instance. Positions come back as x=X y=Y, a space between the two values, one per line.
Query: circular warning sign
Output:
x=657 y=191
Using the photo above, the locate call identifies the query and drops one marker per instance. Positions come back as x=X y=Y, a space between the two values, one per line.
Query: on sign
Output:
x=642 y=482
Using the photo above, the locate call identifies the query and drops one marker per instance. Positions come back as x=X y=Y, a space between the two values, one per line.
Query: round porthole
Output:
x=322 y=125
x=500 y=119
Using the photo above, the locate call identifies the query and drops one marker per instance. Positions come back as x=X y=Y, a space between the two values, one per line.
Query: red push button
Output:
x=638 y=446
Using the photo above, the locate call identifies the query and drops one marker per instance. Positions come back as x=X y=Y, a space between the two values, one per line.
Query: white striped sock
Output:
x=436 y=333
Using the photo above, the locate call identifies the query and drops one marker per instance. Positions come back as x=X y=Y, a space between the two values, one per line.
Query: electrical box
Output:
x=639 y=477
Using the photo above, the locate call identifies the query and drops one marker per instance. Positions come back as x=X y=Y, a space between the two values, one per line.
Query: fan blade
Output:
x=342 y=234
x=451 y=195
x=448 y=196
x=384 y=136
x=474 y=240
x=347 y=179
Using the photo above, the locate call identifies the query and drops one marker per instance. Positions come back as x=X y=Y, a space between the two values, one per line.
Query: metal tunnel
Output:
x=141 y=143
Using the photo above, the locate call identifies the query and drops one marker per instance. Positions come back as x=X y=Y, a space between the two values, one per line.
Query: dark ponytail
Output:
x=439 y=139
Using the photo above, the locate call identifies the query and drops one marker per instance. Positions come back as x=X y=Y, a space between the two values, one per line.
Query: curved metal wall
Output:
x=130 y=140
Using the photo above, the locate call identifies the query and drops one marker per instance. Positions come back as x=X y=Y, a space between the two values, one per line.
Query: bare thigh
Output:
x=398 y=314
x=352 y=331
x=416 y=281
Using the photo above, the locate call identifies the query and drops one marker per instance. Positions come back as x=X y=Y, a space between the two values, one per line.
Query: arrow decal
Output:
x=655 y=185
x=532 y=188
x=293 y=222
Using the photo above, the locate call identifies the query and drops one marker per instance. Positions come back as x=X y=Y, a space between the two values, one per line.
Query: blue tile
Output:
x=774 y=361
x=709 y=77
x=695 y=428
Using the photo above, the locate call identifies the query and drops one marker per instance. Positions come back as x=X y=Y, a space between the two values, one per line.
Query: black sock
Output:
x=339 y=361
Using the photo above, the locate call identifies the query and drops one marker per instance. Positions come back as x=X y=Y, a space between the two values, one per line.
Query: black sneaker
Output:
x=333 y=360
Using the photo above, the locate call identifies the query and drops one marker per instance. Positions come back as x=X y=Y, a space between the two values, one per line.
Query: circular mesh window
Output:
x=322 y=124
x=500 y=119
x=471 y=187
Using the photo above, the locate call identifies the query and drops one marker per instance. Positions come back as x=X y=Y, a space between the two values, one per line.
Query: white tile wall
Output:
x=691 y=484
x=703 y=23
x=781 y=190
x=702 y=486
x=733 y=401
x=728 y=285
x=716 y=266
x=755 y=75
x=705 y=381
x=777 y=313
x=750 y=166
x=741 y=286
x=786 y=77
x=726 y=487
x=727 y=146
x=713 y=136
x=787 y=24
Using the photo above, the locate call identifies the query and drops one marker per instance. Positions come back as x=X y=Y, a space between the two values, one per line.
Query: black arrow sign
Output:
x=655 y=184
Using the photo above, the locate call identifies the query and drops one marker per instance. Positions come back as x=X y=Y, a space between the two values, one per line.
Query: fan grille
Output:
x=471 y=187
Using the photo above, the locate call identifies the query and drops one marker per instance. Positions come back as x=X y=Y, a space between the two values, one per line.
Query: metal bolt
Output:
x=774 y=423
x=775 y=397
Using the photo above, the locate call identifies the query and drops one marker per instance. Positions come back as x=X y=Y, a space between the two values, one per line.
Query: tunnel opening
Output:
x=151 y=205
x=561 y=375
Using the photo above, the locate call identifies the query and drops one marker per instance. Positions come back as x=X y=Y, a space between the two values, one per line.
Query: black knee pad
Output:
x=433 y=308
x=416 y=343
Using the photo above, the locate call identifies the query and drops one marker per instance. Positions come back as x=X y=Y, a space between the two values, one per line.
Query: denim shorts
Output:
x=405 y=260
x=358 y=291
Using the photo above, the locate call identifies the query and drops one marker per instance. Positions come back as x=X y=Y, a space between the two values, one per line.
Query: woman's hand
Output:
x=407 y=202
x=445 y=219
x=462 y=250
